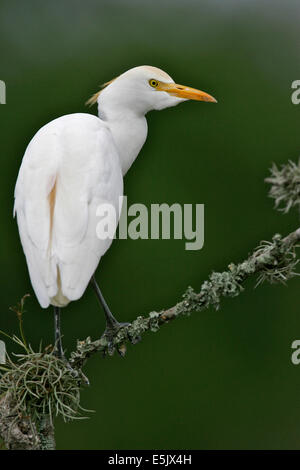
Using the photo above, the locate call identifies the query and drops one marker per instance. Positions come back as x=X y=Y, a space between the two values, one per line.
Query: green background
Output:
x=216 y=380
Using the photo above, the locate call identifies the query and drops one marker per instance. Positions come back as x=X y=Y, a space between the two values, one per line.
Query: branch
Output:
x=39 y=386
x=273 y=261
x=21 y=432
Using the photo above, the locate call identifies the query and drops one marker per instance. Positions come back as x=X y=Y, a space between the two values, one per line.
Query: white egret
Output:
x=73 y=164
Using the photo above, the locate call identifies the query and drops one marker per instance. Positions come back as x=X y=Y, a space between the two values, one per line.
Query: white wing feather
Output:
x=75 y=154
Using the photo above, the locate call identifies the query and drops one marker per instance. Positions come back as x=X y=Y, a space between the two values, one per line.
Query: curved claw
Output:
x=109 y=334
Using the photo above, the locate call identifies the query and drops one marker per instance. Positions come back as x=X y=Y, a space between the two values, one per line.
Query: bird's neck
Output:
x=129 y=132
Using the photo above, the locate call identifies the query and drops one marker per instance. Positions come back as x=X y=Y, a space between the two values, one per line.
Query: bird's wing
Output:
x=70 y=167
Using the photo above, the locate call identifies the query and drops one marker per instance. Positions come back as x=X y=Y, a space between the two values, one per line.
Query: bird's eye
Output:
x=153 y=83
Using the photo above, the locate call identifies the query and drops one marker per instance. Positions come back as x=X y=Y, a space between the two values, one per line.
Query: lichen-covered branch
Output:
x=38 y=385
x=272 y=261
x=35 y=388
x=20 y=431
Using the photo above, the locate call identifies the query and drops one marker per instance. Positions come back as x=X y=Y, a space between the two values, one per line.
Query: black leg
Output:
x=110 y=319
x=59 y=349
x=57 y=334
x=112 y=325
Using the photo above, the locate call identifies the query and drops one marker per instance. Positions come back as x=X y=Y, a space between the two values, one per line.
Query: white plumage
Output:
x=76 y=157
x=72 y=165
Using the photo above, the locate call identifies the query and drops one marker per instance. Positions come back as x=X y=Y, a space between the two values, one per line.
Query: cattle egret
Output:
x=71 y=166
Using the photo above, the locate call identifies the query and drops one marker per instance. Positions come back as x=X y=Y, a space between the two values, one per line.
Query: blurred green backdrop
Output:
x=217 y=380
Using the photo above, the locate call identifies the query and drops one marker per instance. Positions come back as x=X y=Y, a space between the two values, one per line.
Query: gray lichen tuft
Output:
x=40 y=384
x=282 y=264
x=285 y=187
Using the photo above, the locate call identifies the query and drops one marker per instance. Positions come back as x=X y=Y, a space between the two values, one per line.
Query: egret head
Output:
x=143 y=89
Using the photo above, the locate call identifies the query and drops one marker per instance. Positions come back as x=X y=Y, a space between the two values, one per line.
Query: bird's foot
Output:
x=109 y=334
x=112 y=328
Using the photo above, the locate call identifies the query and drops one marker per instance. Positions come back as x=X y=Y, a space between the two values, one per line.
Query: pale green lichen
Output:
x=282 y=263
x=40 y=384
x=285 y=189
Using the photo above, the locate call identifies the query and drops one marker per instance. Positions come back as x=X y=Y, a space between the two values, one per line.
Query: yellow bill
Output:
x=182 y=91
